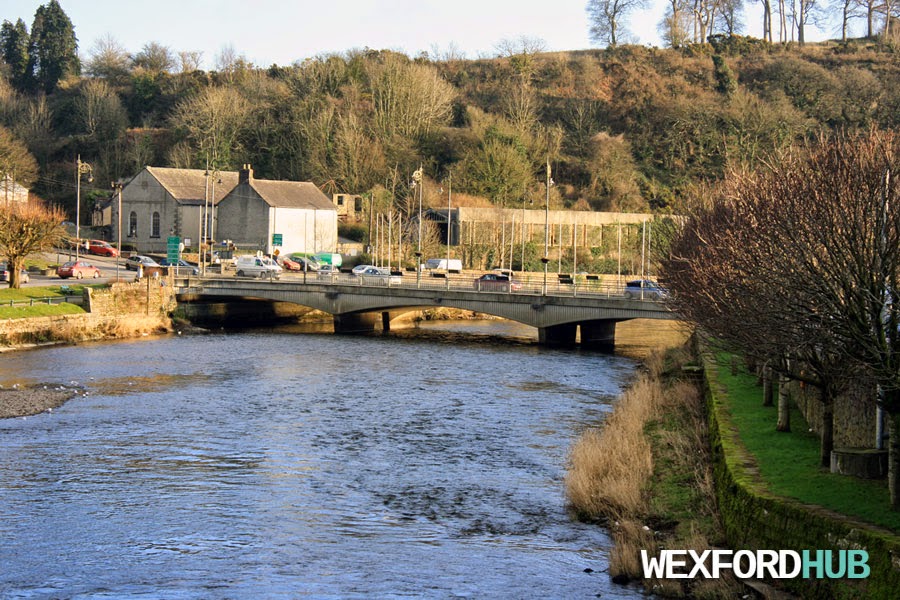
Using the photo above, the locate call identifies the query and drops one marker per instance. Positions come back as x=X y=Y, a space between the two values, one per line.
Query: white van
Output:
x=257 y=266
x=442 y=264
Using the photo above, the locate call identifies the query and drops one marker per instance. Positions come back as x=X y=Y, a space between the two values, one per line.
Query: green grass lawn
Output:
x=20 y=311
x=789 y=462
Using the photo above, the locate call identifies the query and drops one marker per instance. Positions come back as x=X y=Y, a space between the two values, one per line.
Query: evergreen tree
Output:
x=54 y=47
x=14 y=42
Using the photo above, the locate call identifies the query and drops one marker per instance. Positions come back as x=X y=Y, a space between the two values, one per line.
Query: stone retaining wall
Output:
x=120 y=311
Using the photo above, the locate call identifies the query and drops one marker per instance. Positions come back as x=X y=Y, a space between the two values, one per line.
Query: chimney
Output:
x=245 y=175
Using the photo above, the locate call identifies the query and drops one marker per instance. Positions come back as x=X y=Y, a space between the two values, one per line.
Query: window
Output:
x=154 y=226
x=132 y=224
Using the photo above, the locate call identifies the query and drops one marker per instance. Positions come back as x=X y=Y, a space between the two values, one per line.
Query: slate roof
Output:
x=292 y=194
x=188 y=186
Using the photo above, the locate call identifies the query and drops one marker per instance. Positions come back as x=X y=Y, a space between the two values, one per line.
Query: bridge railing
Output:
x=606 y=286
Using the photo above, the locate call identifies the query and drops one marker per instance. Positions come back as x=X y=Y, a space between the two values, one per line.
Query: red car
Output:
x=78 y=270
x=102 y=248
x=290 y=265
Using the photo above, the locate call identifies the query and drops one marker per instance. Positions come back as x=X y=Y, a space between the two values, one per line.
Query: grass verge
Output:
x=788 y=463
x=27 y=294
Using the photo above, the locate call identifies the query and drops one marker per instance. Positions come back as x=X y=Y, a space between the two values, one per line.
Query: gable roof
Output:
x=188 y=186
x=292 y=194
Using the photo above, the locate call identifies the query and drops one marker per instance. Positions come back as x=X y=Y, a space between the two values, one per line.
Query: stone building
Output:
x=160 y=202
x=288 y=216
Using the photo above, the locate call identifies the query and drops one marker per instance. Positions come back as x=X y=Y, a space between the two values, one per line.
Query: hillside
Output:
x=628 y=129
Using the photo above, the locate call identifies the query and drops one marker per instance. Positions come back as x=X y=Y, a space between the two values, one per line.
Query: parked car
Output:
x=376 y=276
x=139 y=260
x=306 y=263
x=180 y=266
x=101 y=248
x=289 y=264
x=644 y=289
x=5 y=274
x=328 y=272
x=360 y=269
x=495 y=282
x=79 y=270
x=257 y=266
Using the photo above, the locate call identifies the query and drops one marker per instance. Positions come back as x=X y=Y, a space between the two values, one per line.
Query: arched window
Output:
x=154 y=226
x=132 y=224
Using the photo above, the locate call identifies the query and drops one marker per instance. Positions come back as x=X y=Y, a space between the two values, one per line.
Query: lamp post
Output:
x=117 y=185
x=449 y=222
x=546 y=258
x=80 y=169
x=418 y=184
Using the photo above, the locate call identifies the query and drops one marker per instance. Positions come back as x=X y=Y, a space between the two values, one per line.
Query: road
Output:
x=107 y=266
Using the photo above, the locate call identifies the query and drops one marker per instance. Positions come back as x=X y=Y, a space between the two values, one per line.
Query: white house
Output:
x=288 y=216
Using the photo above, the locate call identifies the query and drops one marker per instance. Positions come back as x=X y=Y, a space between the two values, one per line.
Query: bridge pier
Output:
x=356 y=322
x=598 y=335
x=363 y=322
x=558 y=335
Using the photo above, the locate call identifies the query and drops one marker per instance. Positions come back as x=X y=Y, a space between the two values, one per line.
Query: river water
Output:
x=290 y=463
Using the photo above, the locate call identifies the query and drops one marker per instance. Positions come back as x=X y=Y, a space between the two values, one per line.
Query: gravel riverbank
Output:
x=23 y=402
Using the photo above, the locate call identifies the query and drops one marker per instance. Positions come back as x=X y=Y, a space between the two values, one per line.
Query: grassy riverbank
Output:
x=646 y=475
x=28 y=302
x=788 y=463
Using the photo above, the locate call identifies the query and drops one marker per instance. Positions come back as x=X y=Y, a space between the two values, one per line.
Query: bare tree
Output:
x=521 y=53
x=155 y=57
x=767 y=19
x=675 y=27
x=609 y=18
x=212 y=122
x=409 y=99
x=108 y=59
x=814 y=268
x=26 y=228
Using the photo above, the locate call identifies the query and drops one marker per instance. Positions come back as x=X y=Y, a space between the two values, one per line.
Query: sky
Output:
x=267 y=32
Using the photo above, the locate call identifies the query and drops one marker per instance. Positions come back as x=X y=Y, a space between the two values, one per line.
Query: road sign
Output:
x=276 y=239
x=173 y=245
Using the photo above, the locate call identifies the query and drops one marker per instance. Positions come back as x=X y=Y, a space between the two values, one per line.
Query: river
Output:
x=290 y=463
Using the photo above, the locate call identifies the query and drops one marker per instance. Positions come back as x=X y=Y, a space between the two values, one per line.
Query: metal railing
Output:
x=530 y=284
x=49 y=300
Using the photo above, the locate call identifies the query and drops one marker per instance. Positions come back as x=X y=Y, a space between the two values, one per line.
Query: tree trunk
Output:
x=894 y=459
x=827 y=444
x=784 y=407
x=768 y=397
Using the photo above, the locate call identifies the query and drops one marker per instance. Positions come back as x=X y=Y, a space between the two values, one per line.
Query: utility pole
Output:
x=546 y=258
x=80 y=169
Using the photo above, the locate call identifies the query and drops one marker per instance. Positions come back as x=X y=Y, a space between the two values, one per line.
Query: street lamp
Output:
x=117 y=185
x=449 y=204
x=546 y=258
x=80 y=169
x=418 y=184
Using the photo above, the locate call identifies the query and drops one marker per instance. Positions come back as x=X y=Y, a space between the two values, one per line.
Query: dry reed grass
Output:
x=608 y=468
x=659 y=422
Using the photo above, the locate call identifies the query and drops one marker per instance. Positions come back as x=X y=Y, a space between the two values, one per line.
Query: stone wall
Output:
x=854 y=413
x=123 y=310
